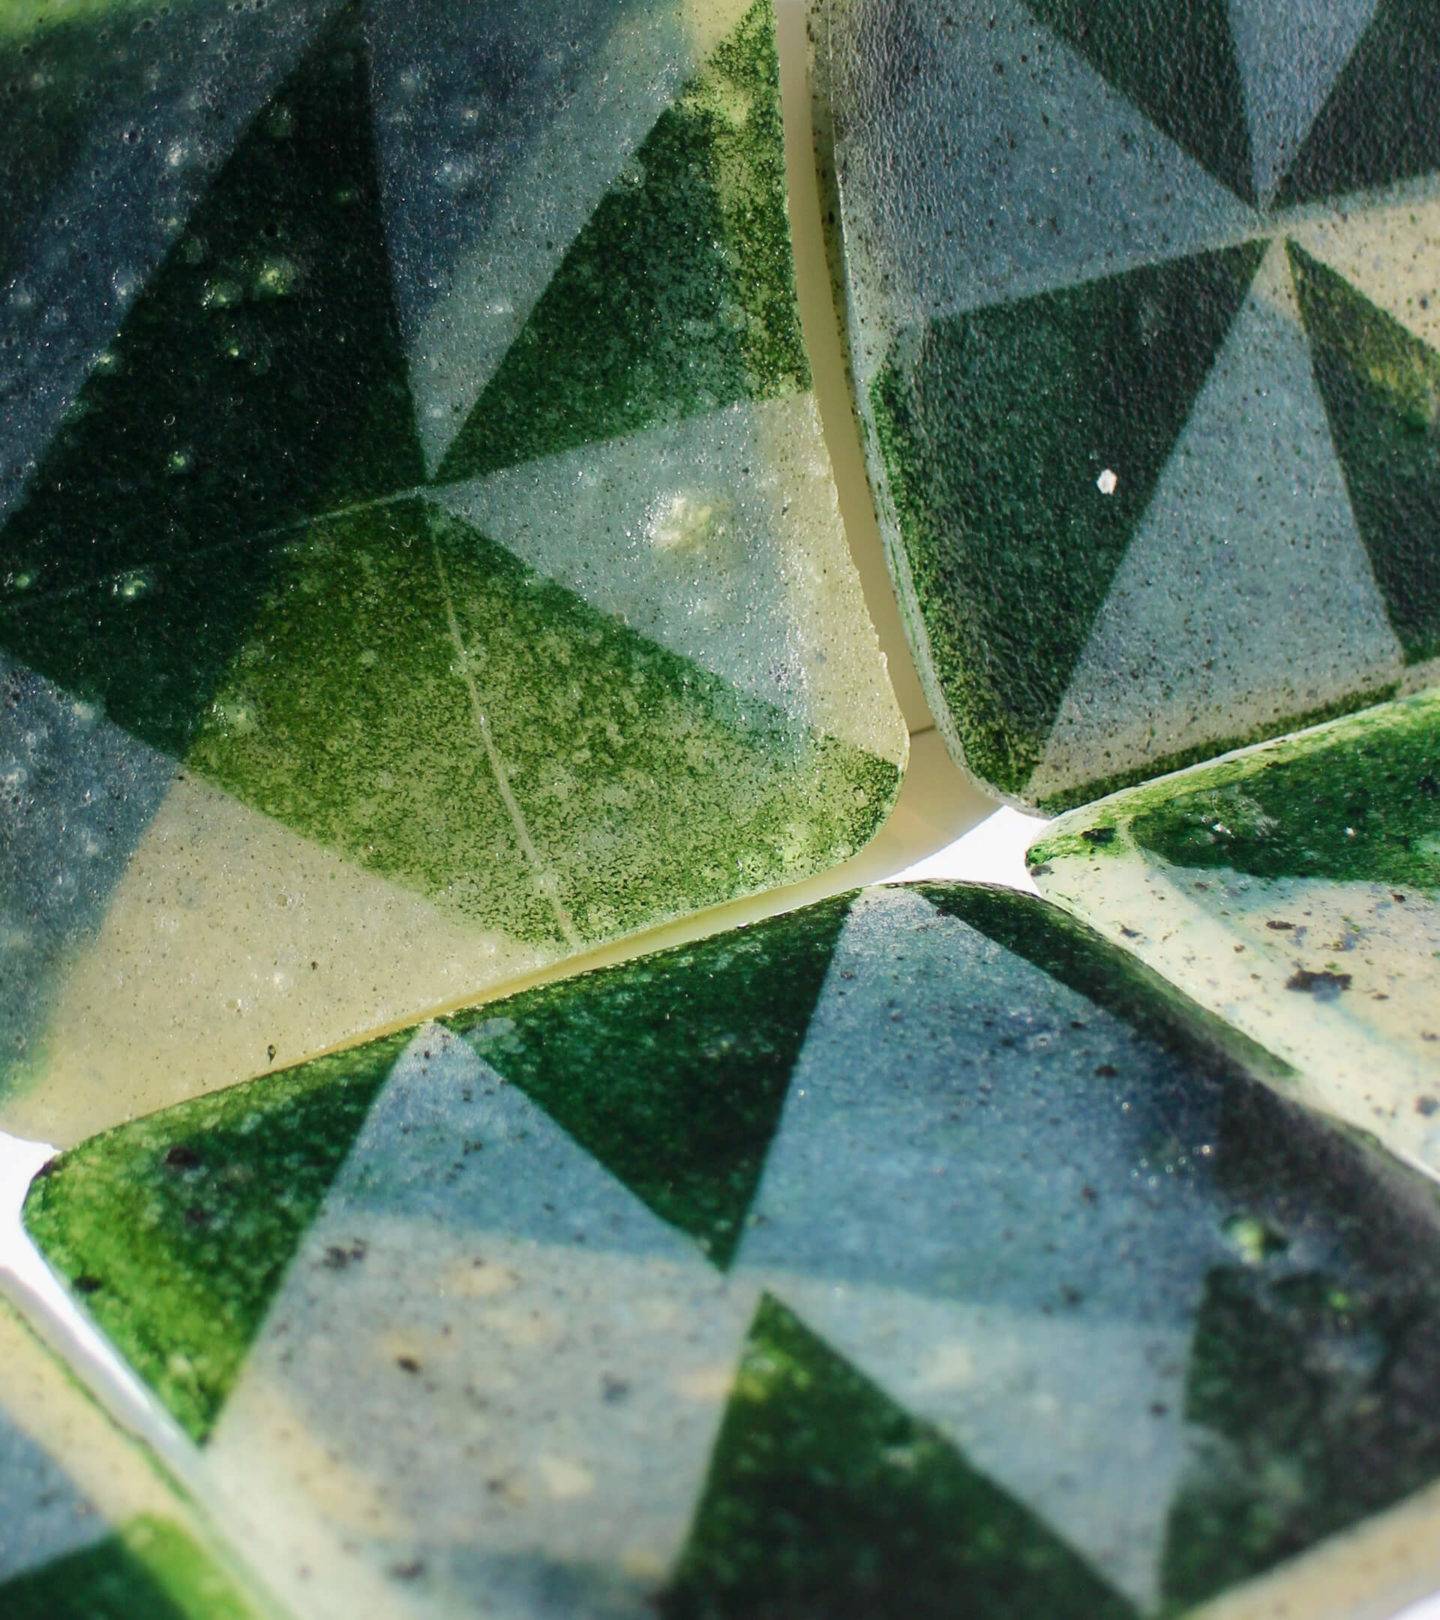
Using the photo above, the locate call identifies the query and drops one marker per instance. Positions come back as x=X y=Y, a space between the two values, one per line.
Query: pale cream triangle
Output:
x=718 y=537
x=230 y=946
x=1388 y=250
x=1246 y=597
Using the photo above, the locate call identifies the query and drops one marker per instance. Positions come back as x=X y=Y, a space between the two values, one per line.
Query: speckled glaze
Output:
x=429 y=565
x=1294 y=891
x=1143 y=320
x=914 y=1244
x=89 y=1527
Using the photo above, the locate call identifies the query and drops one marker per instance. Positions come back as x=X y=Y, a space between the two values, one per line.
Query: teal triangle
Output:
x=1381 y=388
x=995 y=426
x=178 y=1228
x=1381 y=121
x=1309 y=1388
x=827 y=1501
x=672 y=1070
x=259 y=376
x=677 y=297
x=1175 y=59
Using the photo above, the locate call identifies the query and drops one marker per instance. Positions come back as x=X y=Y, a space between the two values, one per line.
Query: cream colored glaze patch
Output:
x=232 y=946
x=1216 y=942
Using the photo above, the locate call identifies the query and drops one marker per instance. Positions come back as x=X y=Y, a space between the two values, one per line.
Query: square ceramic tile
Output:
x=89 y=1527
x=1144 y=317
x=910 y=1245
x=424 y=563
x=1294 y=891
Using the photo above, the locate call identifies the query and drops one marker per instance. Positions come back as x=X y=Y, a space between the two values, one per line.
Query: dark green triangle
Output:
x=1175 y=59
x=1309 y=1392
x=178 y=1228
x=677 y=297
x=1364 y=810
x=1381 y=387
x=259 y=376
x=649 y=787
x=1381 y=121
x=827 y=1501
x=672 y=1070
x=994 y=427
x=150 y=1570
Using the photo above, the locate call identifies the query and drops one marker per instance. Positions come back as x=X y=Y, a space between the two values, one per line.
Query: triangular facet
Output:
x=1290 y=54
x=1177 y=63
x=1382 y=121
x=430 y=708
x=1307 y=1387
x=258 y=376
x=116 y=120
x=643 y=1066
x=825 y=1500
x=1385 y=250
x=1381 y=387
x=177 y=1229
x=712 y=537
x=981 y=188
x=500 y=129
x=677 y=297
x=1246 y=599
x=996 y=429
x=982 y=1326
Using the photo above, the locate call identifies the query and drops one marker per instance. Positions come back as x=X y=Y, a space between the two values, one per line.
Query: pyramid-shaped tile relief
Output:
x=916 y=1243
x=432 y=568
x=1141 y=321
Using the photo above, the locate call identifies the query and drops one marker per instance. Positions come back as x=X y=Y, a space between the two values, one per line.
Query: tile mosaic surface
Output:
x=89 y=1530
x=419 y=560
x=1145 y=327
x=1294 y=890
x=911 y=1253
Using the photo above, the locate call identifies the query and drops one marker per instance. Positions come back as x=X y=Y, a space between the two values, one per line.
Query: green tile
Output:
x=915 y=1251
x=1143 y=499
x=258 y=377
x=390 y=616
x=826 y=1499
x=659 y=259
x=1294 y=890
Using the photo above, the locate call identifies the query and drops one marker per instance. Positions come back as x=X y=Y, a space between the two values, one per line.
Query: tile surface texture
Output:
x=432 y=568
x=1294 y=891
x=89 y=1528
x=909 y=1253
x=1144 y=320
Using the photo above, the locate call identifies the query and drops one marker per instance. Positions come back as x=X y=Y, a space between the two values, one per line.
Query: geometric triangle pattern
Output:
x=1294 y=891
x=1046 y=469
x=244 y=559
x=90 y=1527
x=513 y=1257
